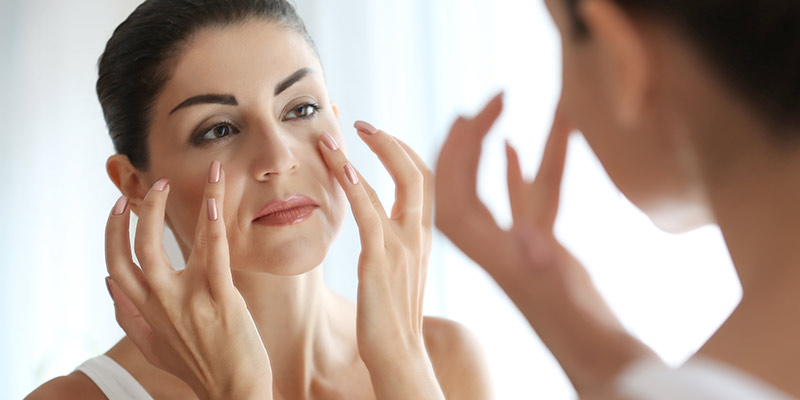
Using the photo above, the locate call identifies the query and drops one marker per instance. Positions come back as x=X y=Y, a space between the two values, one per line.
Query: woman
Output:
x=693 y=109
x=224 y=131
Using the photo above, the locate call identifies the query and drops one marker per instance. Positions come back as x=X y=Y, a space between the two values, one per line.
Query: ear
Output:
x=623 y=51
x=335 y=110
x=128 y=179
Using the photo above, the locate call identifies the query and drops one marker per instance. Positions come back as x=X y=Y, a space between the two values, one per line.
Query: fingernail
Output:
x=351 y=173
x=108 y=287
x=212 y=209
x=329 y=141
x=160 y=184
x=120 y=205
x=214 y=172
x=365 y=127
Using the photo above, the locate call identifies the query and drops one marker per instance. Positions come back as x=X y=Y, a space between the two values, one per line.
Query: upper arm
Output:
x=73 y=386
x=457 y=360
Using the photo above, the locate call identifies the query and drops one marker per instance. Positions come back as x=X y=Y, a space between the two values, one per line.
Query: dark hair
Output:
x=138 y=58
x=754 y=44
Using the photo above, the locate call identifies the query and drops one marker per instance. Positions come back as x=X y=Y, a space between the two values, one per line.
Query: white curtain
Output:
x=409 y=67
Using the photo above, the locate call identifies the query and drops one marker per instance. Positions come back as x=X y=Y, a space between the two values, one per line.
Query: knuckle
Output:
x=373 y=197
x=215 y=235
x=144 y=251
x=415 y=175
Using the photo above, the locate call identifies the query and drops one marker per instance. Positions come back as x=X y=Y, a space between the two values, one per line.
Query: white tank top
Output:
x=115 y=382
x=698 y=379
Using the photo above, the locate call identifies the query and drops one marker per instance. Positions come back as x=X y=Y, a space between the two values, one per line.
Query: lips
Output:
x=290 y=211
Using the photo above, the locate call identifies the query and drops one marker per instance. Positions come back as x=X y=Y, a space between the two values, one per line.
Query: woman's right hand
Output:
x=192 y=323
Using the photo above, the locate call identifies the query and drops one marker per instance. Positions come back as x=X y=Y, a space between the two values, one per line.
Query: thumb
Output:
x=130 y=319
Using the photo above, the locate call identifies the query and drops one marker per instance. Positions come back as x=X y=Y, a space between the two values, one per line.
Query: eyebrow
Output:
x=292 y=79
x=229 y=100
x=225 y=99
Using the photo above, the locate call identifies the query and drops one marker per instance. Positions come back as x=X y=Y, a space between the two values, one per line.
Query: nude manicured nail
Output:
x=351 y=173
x=160 y=184
x=120 y=205
x=329 y=141
x=365 y=127
x=214 y=172
x=212 y=209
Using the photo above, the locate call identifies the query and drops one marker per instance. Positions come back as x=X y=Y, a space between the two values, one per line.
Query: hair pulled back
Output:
x=138 y=58
x=754 y=44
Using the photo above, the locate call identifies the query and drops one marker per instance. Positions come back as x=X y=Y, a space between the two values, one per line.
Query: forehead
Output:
x=244 y=58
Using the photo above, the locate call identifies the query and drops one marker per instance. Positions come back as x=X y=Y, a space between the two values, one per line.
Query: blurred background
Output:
x=409 y=67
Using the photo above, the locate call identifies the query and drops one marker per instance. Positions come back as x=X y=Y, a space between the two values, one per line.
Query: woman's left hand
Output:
x=548 y=284
x=392 y=266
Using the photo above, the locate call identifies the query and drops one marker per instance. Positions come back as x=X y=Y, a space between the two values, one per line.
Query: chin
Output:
x=673 y=218
x=294 y=258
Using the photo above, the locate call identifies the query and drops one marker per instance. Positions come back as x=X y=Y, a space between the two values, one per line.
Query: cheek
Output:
x=183 y=207
x=587 y=105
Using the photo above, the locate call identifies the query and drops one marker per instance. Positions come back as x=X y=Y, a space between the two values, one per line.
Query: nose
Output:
x=275 y=156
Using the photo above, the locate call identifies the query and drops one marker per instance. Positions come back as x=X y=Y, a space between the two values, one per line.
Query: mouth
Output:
x=290 y=211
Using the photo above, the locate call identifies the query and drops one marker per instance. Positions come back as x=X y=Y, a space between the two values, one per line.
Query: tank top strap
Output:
x=113 y=380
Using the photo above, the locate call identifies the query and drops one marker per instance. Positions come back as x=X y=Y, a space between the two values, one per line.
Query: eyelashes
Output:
x=214 y=133
x=302 y=111
x=222 y=131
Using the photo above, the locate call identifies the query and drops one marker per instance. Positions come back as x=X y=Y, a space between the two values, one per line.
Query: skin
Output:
x=683 y=147
x=259 y=289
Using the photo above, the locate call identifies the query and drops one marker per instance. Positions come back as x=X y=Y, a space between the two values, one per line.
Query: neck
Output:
x=751 y=182
x=301 y=323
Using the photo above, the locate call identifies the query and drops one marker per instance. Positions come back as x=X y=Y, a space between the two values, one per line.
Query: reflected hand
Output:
x=192 y=323
x=392 y=267
x=549 y=286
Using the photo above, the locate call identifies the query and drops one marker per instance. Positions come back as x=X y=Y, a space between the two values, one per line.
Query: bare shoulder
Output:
x=457 y=359
x=73 y=386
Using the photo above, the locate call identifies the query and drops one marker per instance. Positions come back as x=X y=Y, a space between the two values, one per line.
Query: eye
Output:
x=303 y=111
x=215 y=132
x=219 y=131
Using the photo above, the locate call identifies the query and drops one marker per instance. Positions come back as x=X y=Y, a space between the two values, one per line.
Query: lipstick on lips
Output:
x=289 y=211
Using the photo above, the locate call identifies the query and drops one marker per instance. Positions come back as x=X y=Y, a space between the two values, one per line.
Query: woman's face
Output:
x=253 y=97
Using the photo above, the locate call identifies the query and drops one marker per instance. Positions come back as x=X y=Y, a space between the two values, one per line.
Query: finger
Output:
x=427 y=184
x=119 y=260
x=149 y=241
x=407 y=177
x=427 y=221
x=130 y=319
x=544 y=193
x=374 y=199
x=516 y=183
x=211 y=234
x=486 y=118
x=459 y=212
x=457 y=167
x=364 y=203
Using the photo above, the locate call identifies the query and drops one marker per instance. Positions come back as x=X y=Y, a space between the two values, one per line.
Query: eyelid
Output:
x=196 y=138
x=304 y=100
